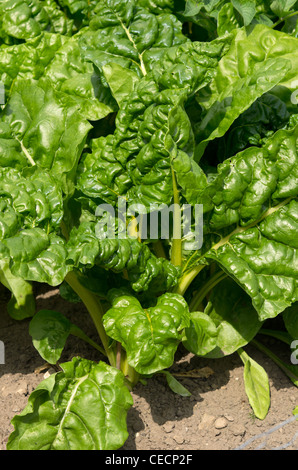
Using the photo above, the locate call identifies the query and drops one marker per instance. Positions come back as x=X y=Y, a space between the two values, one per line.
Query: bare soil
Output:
x=217 y=416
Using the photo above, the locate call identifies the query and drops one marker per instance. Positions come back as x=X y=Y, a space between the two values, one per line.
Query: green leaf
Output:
x=246 y=8
x=255 y=214
x=121 y=81
x=282 y=7
x=290 y=317
x=226 y=20
x=56 y=59
x=236 y=321
x=267 y=112
x=238 y=83
x=49 y=331
x=176 y=386
x=149 y=336
x=201 y=335
x=31 y=214
x=26 y=20
x=124 y=32
x=82 y=408
x=87 y=249
x=256 y=385
x=22 y=302
x=47 y=128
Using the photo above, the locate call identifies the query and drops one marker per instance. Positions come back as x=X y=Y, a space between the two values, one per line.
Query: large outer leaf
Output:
x=252 y=203
x=86 y=248
x=149 y=336
x=82 y=408
x=253 y=66
x=24 y=20
x=237 y=322
x=122 y=32
x=153 y=132
x=56 y=58
x=46 y=128
x=31 y=213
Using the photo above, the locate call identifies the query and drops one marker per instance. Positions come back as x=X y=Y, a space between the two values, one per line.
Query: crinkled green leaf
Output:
x=153 y=132
x=83 y=9
x=24 y=20
x=100 y=175
x=32 y=211
x=238 y=83
x=82 y=408
x=57 y=59
x=123 y=32
x=255 y=209
x=86 y=248
x=47 y=129
x=149 y=336
x=265 y=116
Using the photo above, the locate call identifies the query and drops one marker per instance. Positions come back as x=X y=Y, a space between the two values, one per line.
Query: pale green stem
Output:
x=95 y=310
x=187 y=279
x=281 y=20
x=176 y=253
x=202 y=293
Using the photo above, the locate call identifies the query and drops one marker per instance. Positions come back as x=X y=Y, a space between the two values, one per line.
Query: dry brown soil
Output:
x=217 y=416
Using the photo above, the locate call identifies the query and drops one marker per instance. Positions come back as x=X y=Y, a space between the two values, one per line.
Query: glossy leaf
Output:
x=47 y=129
x=201 y=335
x=32 y=210
x=123 y=32
x=149 y=336
x=24 y=20
x=22 y=302
x=86 y=248
x=238 y=83
x=234 y=317
x=259 y=248
x=49 y=331
x=82 y=408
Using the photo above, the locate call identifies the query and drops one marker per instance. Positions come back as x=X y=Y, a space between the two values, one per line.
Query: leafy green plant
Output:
x=116 y=110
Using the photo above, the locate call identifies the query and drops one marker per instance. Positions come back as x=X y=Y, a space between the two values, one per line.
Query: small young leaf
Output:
x=49 y=331
x=256 y=385
x=176 y=386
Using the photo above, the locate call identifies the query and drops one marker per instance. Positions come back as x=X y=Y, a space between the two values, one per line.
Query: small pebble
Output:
x=221 y=423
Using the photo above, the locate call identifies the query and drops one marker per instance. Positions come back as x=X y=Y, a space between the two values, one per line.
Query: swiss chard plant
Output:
x=149 y=167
